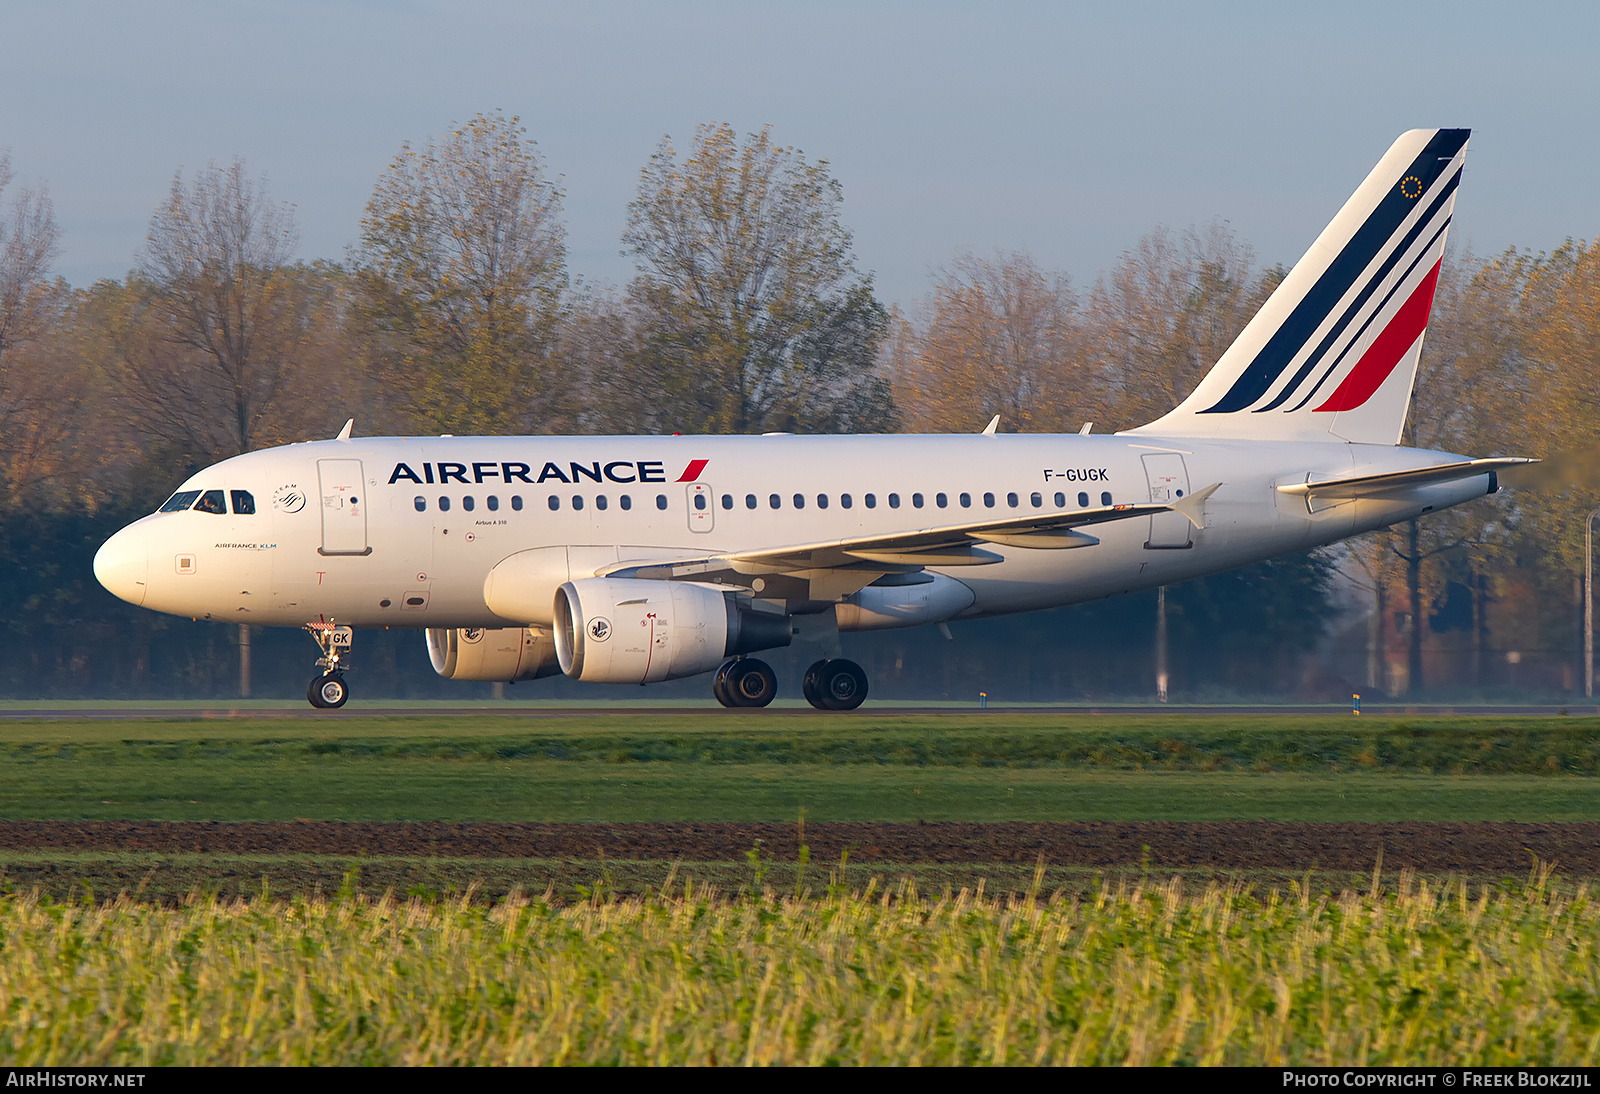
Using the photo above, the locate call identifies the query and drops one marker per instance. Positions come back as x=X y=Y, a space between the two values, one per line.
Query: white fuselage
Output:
x=402 y=532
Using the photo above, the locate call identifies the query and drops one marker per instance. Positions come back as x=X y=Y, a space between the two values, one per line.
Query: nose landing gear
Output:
x=329 y=691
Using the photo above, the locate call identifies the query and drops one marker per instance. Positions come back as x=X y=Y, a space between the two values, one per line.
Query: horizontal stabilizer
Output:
x=1363 y=486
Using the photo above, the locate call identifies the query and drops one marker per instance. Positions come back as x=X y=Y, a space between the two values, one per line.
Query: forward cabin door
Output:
x=344 y=507
x=1169 y=481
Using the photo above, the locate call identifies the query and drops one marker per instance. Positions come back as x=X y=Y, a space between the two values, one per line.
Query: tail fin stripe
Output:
x=1368 y=241
x=1385 y=352
x=1371 y=286
x=1421 y=256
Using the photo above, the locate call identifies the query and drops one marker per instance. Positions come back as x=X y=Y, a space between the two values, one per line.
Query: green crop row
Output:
x=1128 y=973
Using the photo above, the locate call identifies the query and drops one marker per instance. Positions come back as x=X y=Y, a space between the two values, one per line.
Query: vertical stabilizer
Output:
x=1333 y=352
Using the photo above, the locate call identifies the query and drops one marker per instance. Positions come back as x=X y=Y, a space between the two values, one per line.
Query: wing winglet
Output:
x=1194 y=506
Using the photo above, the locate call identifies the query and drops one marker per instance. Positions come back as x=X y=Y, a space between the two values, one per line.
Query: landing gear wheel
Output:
x=750 y=683
x=835 y=684
x=719 y=685
x=328 y=692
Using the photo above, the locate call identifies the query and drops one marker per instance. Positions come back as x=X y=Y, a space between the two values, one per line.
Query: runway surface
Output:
x=544 y=712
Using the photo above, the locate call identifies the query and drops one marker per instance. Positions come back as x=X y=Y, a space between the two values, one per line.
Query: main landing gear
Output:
x=329 y=691
x=745 y=682
x=835 y=684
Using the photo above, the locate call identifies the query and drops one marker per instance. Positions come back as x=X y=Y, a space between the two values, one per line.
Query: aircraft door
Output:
x=344 y=508
x=702 y=507
x=1169 y=481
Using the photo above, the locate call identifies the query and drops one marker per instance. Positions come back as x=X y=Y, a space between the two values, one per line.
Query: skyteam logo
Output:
x=1352 y=327
x=599 y=628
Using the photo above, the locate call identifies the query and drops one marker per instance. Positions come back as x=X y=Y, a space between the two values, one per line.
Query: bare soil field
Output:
x=1434 y=848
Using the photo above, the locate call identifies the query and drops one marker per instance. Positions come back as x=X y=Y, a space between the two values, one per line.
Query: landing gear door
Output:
x=344 y=507
x=1169 y=482
x=701 y=512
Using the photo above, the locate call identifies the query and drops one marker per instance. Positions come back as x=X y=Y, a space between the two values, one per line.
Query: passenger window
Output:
x=894 y=501
x=211 y=502
x=516 y=502
x=444 y=504
x=846 y=501
x=941 y=500
x=872 y=501
x=555 y=503
x=1061 y=500
x=1105 y=499
x=966 y=501
x=775 y=502
x=1083 y=500
x=700 y=502
x=1036 y=500
x=626 y=501
x=244 y=504
x=799 y=501
x=179 y=501
x=468 y=503
x=727 y=501
x=749 y=501
x=661 y=501
x=916 y=501
x=822 y=501
x=421 y=503
x=988 y=501
x=577 y=501
x=493 y=503
x=1011 y=500
x=600 y=501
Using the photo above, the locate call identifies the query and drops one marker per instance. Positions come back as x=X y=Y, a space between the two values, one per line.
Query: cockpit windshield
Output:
x=179 y=501
x=211 y=502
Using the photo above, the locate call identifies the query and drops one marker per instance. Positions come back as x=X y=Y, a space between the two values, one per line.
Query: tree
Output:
x=1160 y=319
x=1001 y=339
x=37 y=393
x=463 y=264
x=208 y=327
x=757 y=319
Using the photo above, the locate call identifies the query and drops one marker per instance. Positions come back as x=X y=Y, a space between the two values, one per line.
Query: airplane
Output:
x=640 y=559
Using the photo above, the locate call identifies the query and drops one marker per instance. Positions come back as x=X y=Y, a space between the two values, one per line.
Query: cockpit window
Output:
x=180 y=501
x=244 y=503
x=211 y=502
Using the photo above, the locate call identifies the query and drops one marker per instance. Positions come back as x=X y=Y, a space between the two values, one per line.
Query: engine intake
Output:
x=627 y=631
x=492 y=653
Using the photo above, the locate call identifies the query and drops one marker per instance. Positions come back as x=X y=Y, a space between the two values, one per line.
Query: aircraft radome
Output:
x=637 y=559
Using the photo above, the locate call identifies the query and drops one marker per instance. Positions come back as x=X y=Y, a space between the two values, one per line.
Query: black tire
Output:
x=329 y=691
x=841 y=685
x=719 y=685
x=809 y=685
x=751 y=683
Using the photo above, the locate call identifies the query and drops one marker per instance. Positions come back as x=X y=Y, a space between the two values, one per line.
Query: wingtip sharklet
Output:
x=1193 y=507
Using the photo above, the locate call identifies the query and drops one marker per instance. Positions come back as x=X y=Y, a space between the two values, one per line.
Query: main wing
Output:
x=911 y=549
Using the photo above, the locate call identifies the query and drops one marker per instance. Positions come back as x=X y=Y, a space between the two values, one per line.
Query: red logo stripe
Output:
x=692 y=472
x=1385 y=352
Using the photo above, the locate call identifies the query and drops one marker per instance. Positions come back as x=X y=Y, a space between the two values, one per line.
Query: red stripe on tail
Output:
x=1385 y=353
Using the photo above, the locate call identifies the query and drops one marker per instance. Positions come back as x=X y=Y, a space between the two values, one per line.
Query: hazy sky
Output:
x=1065 y=129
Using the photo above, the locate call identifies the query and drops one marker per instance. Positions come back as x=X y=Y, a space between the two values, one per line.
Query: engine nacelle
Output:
x=492 y=653
x=612 y=630
x=909 y=600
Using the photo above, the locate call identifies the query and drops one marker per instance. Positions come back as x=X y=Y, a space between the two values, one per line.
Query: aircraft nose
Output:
x=122 y=565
